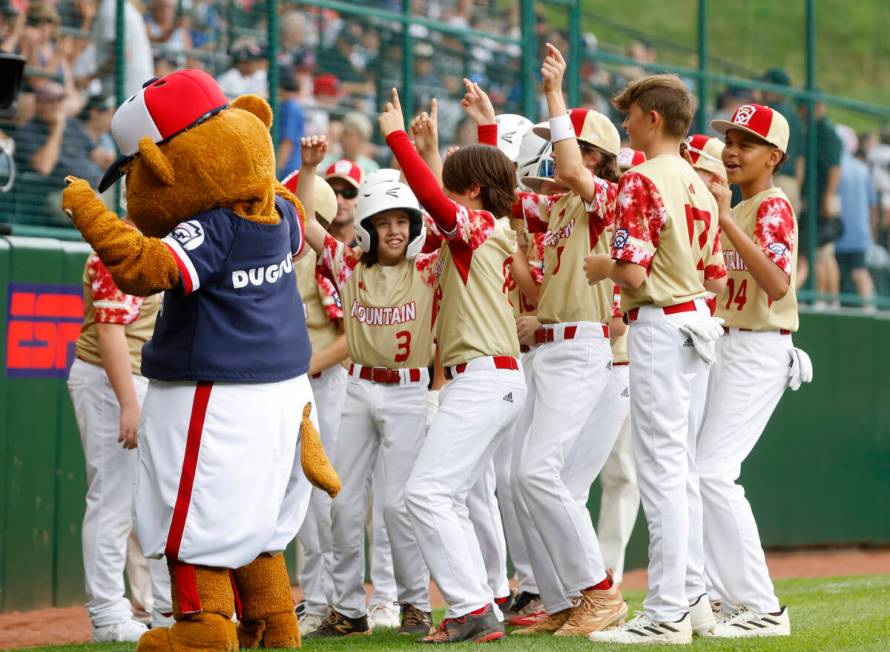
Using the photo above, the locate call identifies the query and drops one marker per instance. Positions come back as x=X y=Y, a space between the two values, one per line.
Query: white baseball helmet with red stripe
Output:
x=162 y=109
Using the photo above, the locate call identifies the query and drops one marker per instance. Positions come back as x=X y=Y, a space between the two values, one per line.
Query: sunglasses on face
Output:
x=348 y=193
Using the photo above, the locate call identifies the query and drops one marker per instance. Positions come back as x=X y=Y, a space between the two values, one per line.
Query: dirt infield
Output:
x=71 y=625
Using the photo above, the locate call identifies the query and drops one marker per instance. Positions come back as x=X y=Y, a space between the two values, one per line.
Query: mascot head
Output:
x=185 y=149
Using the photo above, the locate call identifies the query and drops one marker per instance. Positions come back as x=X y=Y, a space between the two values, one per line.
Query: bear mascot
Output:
x=228 y=445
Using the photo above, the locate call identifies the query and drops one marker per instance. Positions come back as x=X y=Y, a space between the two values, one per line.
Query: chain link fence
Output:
x=327 y=66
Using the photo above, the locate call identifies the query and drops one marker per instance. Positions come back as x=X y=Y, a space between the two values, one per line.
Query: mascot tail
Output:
x=316 y=465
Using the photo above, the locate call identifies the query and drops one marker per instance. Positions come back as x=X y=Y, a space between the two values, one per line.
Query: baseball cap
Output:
x=160 y=110
x=758 y=120
x=707 y=153
x=346 y=170
x=326 y=85
x=100 y=103
x=777 y=76
x=628 y=158
x=591 y=127
x=325 y=199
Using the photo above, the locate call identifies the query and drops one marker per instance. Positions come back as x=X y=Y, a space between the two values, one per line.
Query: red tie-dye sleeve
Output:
x=327 y=292
x=714 y=265
x=487 y=135
x=111 y=305
x=339 y=260
x=640 y=216
x=535 y=210
x=775 y=232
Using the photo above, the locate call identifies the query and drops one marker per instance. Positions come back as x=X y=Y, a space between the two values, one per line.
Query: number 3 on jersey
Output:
x=403 y=339
x=695 y=216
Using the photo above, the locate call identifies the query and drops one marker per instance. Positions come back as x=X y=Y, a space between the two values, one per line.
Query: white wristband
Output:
x=561 y=128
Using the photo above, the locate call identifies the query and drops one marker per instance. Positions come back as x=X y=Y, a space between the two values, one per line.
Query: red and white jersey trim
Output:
x=190 y=280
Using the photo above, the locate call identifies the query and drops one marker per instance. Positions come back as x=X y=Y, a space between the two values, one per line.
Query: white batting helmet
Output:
x=387 y=195
x=536 y=167
x=511 y=130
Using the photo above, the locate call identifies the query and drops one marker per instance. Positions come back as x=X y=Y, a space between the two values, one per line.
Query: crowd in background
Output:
x=334 y=68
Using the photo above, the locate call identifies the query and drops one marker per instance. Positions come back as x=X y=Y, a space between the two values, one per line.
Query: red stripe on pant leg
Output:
x=186 y=588
x=189 y=465
x=238 y=608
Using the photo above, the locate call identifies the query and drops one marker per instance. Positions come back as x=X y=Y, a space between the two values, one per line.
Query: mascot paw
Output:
x=275 y=631
x=207 y=632
x=78 y=196
x=316 y=464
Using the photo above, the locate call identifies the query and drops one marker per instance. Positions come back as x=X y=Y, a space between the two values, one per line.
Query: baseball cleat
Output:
x=309 y=622
x=415 y=622
x=642 y=630
x=474 y=628
x=547 y=625
x=336 y=625
x=744 y=623
x=383 y=615
x=701 y=616
x=127 y=631
x=522 y=604
x=528 y=619
x=597 y=609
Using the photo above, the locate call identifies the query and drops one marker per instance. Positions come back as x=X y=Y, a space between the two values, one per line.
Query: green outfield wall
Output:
x=821 y=474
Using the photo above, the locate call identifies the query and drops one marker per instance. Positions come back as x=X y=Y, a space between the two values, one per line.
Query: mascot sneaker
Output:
x=642 y=630
x=383 y=615
x=475 y=628
x=127 y=631
x=415 y=622
x=701 y=615
x=744 y=623
x=337 y=625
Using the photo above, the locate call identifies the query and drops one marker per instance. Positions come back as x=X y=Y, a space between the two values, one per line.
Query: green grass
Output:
x=827 y=614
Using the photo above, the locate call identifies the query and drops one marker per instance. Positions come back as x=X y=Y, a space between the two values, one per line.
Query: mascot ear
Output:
x=256 y=105
x=156 y=161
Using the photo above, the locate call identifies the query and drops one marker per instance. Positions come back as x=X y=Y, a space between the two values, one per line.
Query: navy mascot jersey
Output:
x=237 y=314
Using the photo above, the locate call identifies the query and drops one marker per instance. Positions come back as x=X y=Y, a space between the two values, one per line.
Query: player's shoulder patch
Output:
x=778 y=248
x=189 y=234
x=621 y=236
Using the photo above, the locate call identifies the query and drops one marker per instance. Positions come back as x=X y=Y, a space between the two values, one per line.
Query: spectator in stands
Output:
x=12 y=27
x=789 y=176
x=206 y=23
x=138 y=59
x=355 y=142
x=347 y=63
x=39 y=42
x=293 y=34
x=92 y=134
x=167 y=62
x=826 y=213
x=166 y=28
x=859 y=214
x=290 y=122
x=727 y=102
x=323 y=99
x=248 y=73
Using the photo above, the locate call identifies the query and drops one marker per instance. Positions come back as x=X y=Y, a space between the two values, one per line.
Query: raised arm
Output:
x=425 y=129
x=314 y=149
x=419 y=177
x=478 y=106
x=569 y=164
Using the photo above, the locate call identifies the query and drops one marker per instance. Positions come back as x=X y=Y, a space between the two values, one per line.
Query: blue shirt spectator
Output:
x=858 y=197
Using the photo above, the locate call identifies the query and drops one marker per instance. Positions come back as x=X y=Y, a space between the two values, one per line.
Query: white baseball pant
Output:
x=315 y=534
x=747 y=381
x=385 y=422
x=503 y=461
x=476 y=409
x=570 y=376
x=219 y=478
x=486 y=518
x=620 y=498
x=662 y=375
x=382 y=572
x=108 y=518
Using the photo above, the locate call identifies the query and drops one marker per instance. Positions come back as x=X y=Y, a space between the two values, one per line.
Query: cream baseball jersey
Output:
x=768 y=219
x=474 y=317
x=666 y=222
x=387 y=310
x=573 y=229
x=104 y=303
x=321 y=302
x=534 y=254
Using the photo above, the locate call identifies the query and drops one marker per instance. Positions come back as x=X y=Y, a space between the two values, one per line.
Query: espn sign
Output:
x=42 y=326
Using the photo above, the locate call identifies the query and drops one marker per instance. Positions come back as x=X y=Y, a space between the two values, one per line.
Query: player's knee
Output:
x=530 y=480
